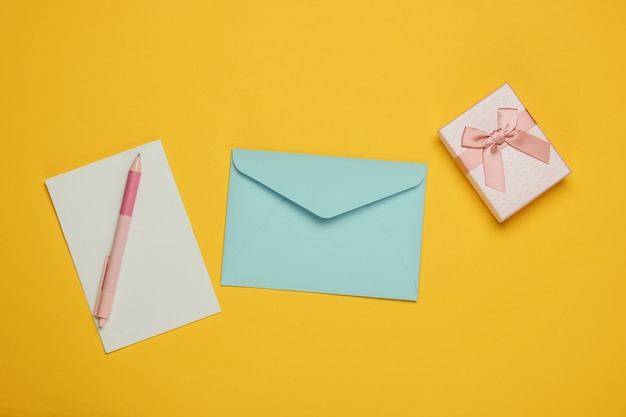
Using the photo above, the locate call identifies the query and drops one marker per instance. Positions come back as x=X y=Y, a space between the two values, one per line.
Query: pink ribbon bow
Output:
x=486 y=148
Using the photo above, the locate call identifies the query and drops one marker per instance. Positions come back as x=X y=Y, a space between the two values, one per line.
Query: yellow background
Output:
x=526 y=318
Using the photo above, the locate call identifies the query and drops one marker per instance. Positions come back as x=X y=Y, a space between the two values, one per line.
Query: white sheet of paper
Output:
x=163 y=283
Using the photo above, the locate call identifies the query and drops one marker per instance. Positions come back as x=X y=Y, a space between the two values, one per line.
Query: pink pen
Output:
x=113 y=262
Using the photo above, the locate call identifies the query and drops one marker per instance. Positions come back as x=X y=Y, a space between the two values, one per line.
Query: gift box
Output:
x=504 y=154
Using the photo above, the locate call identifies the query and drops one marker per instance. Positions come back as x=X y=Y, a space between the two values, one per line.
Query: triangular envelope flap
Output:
x=328 y=186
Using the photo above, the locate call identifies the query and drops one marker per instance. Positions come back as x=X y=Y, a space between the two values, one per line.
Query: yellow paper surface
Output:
x=524 y=318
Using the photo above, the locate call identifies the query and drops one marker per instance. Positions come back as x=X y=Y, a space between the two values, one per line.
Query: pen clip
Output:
x=104 y=272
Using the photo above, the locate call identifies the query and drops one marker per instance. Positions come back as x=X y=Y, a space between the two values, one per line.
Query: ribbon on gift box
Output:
x=486 y=148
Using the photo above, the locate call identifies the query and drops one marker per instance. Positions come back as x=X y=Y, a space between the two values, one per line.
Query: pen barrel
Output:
x=113 y=268
x=130 y=193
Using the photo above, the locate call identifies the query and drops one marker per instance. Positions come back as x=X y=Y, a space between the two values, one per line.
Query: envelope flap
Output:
x=324 y=185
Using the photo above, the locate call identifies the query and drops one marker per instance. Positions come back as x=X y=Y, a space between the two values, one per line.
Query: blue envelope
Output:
x=324 y=224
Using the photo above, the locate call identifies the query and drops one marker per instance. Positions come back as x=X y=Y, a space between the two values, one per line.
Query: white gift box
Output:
x=503 y=152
